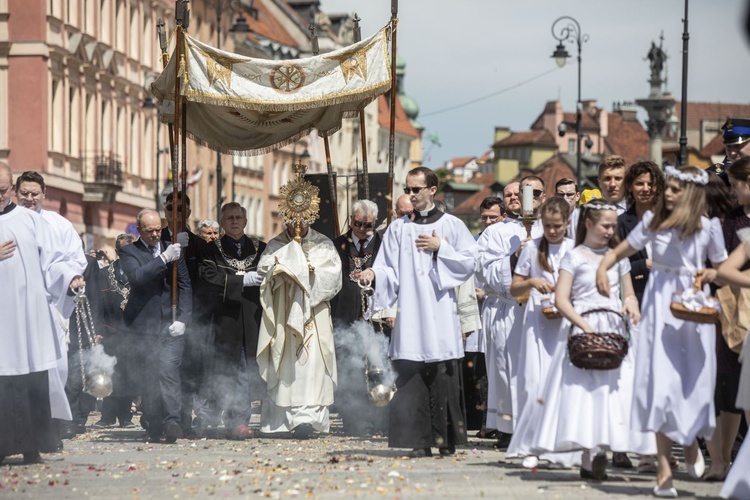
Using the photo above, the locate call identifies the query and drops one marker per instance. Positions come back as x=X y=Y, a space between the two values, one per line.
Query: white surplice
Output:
x=496 y=244
x=38 y=271
x=296 y=353
x=69 y=244
x=427 y=324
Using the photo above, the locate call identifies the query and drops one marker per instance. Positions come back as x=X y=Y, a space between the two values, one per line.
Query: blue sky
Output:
x=459 y=51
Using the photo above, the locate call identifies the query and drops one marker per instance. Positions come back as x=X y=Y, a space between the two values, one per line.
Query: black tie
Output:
x=362 y=244
x=152 y=249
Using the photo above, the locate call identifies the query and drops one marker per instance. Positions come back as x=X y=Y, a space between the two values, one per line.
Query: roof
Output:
x=470 y=206
x=268 y=27
x=532 y=137
x=462 y=186
x=714 y=147
x=627 y=138
x=403 y=124
x=460 y=161
x=553 y=170
x=720 y=111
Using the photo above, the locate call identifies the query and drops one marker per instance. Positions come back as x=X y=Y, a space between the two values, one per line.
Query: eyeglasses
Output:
x=566 y=195
x=359 y=224
x=29 y=194
x=414 y=190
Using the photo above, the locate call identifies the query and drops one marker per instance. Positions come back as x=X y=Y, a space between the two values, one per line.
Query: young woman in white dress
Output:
x=536 y=273
x=589 y=410
x=676 y=361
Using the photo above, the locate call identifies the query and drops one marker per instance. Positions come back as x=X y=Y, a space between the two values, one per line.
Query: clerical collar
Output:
x=427 y=216
x=8 y=208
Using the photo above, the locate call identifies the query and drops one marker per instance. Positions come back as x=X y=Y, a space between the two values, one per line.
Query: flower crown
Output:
x=599 y=206
x=699 y=178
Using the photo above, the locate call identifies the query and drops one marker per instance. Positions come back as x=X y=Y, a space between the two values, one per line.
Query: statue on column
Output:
x=656 y=57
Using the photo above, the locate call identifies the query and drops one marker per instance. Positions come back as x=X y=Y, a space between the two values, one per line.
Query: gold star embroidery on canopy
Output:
x=353 y=62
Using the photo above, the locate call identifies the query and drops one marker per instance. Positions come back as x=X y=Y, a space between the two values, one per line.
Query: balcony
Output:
x=102 y=178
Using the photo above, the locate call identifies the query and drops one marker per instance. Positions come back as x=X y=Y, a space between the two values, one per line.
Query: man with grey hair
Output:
x=357 y=249
x=228 y=271
x=208 y=230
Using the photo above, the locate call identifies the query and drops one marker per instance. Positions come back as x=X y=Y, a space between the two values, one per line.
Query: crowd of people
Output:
x=483 y=333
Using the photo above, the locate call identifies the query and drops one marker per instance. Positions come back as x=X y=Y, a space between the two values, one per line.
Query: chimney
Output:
x=627 y=109
x=501 y=133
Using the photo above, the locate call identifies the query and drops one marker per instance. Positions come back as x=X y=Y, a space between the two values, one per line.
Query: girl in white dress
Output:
x=676 y=360
x=589 y=410
x=536 y=272
x=737 y=482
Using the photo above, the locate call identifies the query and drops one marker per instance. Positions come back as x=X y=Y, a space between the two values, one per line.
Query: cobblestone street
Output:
x=115 y=463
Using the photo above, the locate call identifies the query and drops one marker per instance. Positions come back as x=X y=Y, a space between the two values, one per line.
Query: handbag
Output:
x=734 y=315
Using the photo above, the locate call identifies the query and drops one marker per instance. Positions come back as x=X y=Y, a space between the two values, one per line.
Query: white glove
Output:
x=183 y=239
x=177 y=328
x=252 y=279
x=172 y=253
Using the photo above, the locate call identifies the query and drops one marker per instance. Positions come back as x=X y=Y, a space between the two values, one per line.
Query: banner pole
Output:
x=362 y=124
x=392 y=132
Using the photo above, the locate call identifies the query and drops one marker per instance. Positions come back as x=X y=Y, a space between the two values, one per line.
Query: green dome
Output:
x=411 y=108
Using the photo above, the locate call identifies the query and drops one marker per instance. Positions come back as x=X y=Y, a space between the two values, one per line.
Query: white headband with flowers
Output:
x=699 y=178
x=599 y=206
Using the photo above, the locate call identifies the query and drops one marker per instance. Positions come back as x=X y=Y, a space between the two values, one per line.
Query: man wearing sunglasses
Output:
x=420 y=264
x=357 y=249
x=497 y=254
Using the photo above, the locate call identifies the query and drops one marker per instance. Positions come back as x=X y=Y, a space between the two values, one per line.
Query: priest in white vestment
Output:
x=497 y=246
x=296 y=353
x=32 y=268
x=421 y=263
x=30 y=193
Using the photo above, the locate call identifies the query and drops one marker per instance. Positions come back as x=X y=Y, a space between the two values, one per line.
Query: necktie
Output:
x=239 y=249
x=362 y=244
x=154 y=250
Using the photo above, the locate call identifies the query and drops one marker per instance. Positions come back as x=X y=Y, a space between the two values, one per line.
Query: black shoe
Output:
x=420 y=453
x=58 y=447
x=67 y=430
x=79 y=429
x=303 y=431
x=447 y=451
x=103 y=424
x=621 y=461
x=503 y=441
x=173 y=432
x=32 y=457
x=152 y=438
x=599 y=467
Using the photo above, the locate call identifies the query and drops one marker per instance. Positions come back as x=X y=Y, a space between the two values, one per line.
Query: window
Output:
x=571 y=146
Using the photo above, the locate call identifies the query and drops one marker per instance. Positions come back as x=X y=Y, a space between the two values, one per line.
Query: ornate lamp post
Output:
x=566 y=28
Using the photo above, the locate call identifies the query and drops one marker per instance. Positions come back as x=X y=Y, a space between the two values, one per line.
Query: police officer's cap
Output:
x=736 y=131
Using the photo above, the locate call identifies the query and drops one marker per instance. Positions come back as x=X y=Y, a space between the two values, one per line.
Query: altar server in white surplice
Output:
x=32 y=268
x=497 y=247
x=301 y=274
x=421 y=262
x=30 y=193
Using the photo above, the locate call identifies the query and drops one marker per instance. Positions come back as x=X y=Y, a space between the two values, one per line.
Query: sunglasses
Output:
x=414 y=190
x=366 y=225
x=168 y=208
x=566 y=195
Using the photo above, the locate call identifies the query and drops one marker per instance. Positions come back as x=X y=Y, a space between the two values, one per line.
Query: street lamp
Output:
x=570 y=30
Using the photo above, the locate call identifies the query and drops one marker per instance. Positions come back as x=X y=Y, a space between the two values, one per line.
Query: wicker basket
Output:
x=597 y=351
x=705 y=315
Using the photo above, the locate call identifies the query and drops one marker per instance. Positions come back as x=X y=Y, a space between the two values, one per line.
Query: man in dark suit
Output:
x=228 y=268
x=197 y=337
x=148 y=264
x=357 y=249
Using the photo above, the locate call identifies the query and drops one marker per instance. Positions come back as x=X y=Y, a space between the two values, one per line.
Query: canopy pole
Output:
x=362 y=124
x=329 y=166
x=164 y=61
x=180 y=13
x=392 y=132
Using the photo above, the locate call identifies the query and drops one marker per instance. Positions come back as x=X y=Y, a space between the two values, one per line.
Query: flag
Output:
x=244 y=105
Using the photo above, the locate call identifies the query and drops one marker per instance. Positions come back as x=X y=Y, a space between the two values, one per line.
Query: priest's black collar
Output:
x=10 y=206
x=427 y=217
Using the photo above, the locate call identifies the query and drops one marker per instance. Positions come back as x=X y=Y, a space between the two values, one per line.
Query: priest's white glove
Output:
x=172 y=253
x=183 y=239
x=252 y=279
x=177 y=328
